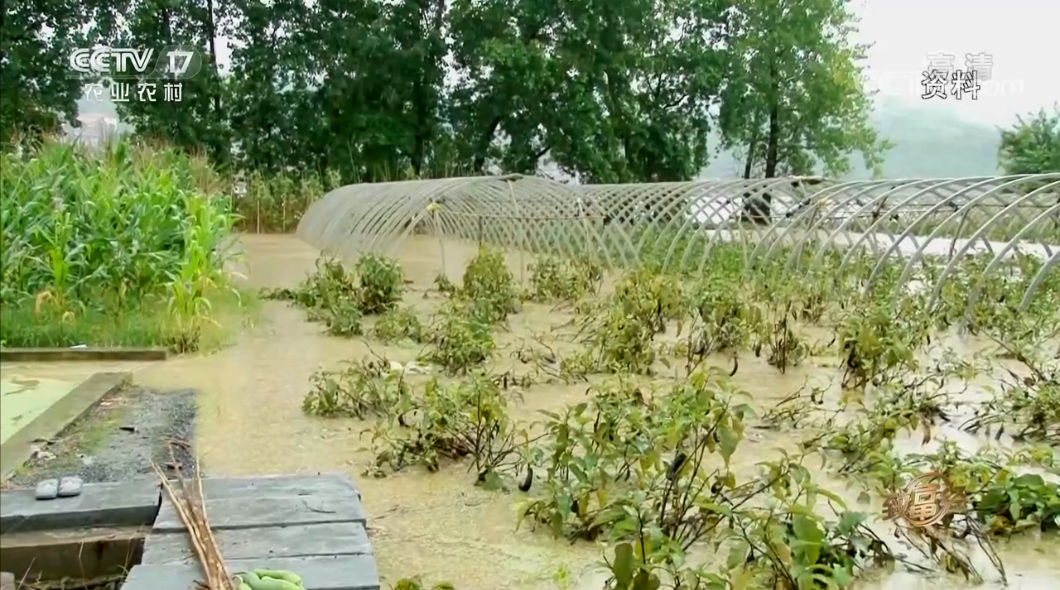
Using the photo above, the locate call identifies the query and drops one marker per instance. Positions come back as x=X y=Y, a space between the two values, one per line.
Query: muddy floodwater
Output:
x=439 y=526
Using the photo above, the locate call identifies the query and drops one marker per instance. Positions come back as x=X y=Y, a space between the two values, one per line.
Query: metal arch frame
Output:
x=918 y=254
x=814 y=200
x=1037 y=281
x=550 y=218
x=973 y=296
x=952 y=265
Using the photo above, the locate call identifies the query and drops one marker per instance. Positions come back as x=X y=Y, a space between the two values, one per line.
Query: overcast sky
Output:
x=1022 y=36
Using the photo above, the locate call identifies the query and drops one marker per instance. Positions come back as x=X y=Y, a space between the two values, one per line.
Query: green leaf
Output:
x=728 y=441
x=622 y=567
x=850 y=521
x=738 y=554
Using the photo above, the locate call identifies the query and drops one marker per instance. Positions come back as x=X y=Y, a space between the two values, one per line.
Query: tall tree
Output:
x=1032 y=145
x=794 y=96
x=198 y=121
x=612 y=91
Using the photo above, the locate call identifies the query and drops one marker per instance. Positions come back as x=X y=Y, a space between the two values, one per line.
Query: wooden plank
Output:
x=239 y=513
x=345 y=538
x=18 y=449
x=252 y=488
x=30 y=355
x=343 y=572
x=133 y=503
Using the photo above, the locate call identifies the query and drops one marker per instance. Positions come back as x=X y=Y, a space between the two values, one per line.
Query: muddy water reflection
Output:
x=437 y=525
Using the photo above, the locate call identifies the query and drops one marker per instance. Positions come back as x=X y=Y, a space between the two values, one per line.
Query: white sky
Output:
x=1023 y=36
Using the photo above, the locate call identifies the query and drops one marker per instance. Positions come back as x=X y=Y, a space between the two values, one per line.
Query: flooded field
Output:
x=438 y=525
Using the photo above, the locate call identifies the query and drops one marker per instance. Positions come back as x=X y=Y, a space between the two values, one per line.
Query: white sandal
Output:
x=47 y=489
x=70 y=486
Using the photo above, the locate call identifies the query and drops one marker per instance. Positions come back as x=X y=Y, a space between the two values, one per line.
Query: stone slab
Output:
x=18 y=449
x=242 y=513
x=32 y=355
x=134 y=503
x=252 y=488
x=343 y=538
x=343 y=572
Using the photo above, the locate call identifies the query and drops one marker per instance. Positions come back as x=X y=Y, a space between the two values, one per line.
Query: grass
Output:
x=142 y=324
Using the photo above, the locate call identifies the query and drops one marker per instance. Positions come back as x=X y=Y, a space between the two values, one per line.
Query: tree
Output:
x=38 y=89
x=197 y=122
x=1032 y=145
x=794 y=95
x=611 y=91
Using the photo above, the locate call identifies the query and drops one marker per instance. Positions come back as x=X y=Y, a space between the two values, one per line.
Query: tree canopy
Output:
x=1032 y=145
x=605 y=90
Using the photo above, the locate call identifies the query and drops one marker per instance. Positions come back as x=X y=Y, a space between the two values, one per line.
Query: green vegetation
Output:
x=115 y=247
x=646 y=463
x=340 y=298
x=1032 y=146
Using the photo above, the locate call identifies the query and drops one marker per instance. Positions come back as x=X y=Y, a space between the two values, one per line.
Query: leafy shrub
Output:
x=488 y=283
x=399 y=324
x=553 y=278
x=366 y=388
x=340 y=298
x=459 y=339
x=381 y=283
x=877 y=340
x=469 y=419
x=620 y=337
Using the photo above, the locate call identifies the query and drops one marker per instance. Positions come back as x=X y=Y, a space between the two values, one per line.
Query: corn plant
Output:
x=106 y=235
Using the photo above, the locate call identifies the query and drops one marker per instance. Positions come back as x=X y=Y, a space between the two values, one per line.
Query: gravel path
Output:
x=119 y=439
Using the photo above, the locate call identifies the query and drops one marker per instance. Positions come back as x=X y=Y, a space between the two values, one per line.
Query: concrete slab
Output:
x=23 y=400
x=99 y=505
x=341 y=572
x=340 y=538
x=18 y=445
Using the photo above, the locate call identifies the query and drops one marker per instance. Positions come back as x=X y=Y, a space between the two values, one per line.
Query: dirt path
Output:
x=436 y=525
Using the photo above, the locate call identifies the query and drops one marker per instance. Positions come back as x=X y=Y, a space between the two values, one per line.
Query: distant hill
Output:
x=929 y=143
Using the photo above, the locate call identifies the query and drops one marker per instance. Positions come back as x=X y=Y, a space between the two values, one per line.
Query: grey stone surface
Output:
x=343 y=572
x=343 y=538
x=216 y=488
x=239 y=513
x=99 y=505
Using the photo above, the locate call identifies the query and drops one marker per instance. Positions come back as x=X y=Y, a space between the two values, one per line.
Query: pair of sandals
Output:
x=66 y=487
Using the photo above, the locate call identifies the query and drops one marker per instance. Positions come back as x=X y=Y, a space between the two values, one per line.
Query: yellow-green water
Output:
x=23 y=399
